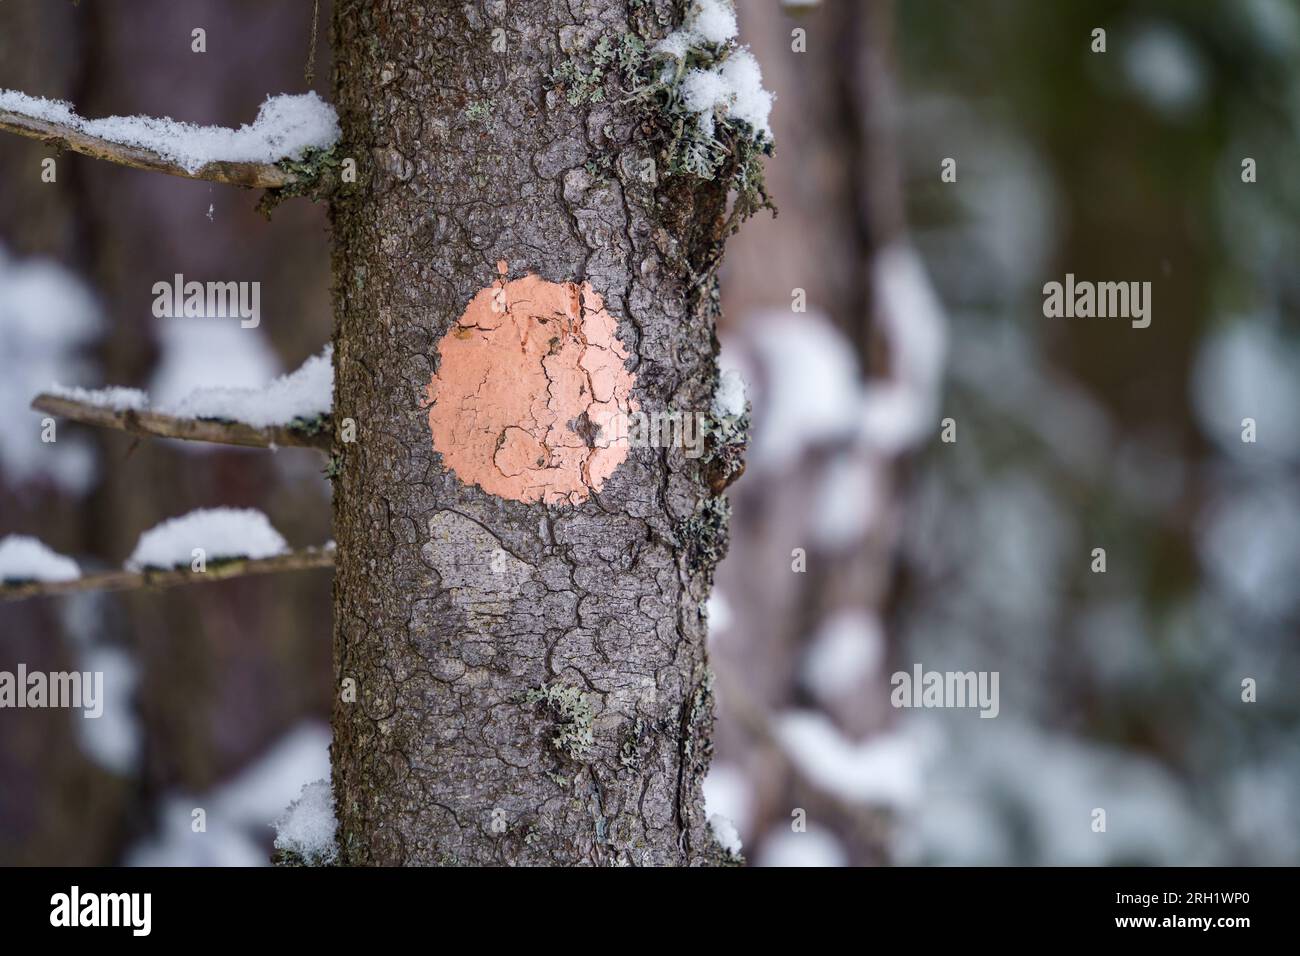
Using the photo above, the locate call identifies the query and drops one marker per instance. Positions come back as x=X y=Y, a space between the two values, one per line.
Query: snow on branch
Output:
x=160 y=425
x=208 y=544
x=206 y=534
x=292 y=410
x=286 y=128
x=23 y=558
x=300 y=560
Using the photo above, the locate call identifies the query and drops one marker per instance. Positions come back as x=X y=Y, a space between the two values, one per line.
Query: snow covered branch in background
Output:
x=23 y=558
x=241 y=810
x=209 y=544
x=48 y=321
x=899 y=412
x=286 y=128
x=303 y=559
x=292 y=410
x=219 y=533
x=159 y=425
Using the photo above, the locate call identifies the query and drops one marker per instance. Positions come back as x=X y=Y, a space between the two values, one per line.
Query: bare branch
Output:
x=302 y=560
x=159 y=425
x=249 y=175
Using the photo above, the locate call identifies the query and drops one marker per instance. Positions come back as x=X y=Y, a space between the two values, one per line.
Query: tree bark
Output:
x=531 y=680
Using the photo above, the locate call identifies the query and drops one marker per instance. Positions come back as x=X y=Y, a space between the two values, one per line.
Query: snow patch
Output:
x=898 y=412
x=849 y=498
x=23 y=558
x=1165 y=69
x=718 y=611
x=114 y=741
x=260 y=792
x=1247 y=369
x=47 y=318
x=709 y=21
x=727 y=793
x=307 y=827
x=729 y=399
x=285 y=128
x=846 y=650
x=725 y=833
x=703 y=92
x=1013 y=793
x=734 y=86
x=714 y=20
x=220 y=532
x=198 y=353
x=750 y=102
x=1248 y=541
x=176 y=843
x=305 y=393
x=116 y=397
x=883 y=770
x=810 y=393
x=814 y=847
x=236 y=811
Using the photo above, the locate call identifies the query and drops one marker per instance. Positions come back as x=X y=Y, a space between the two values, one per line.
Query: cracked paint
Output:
x=531 y=398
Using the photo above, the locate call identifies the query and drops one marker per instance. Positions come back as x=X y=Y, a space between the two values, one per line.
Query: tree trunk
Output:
x=528 y=655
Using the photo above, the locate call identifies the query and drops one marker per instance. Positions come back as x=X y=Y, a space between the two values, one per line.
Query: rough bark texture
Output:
x=487 y=636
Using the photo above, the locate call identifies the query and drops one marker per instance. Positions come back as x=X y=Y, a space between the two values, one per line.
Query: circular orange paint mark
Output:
x=531 y=399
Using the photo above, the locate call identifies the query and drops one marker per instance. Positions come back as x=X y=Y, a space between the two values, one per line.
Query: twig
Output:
x=302 y=560
x=249 y=175
x=159 y=425
x=310 y=72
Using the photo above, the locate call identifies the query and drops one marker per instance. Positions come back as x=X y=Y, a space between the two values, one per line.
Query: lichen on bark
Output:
x=453 y=604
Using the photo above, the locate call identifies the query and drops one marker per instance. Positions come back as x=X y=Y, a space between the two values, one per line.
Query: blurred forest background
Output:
x=1119 y=690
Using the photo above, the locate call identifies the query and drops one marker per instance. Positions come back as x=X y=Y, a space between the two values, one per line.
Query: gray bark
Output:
x=465 y=744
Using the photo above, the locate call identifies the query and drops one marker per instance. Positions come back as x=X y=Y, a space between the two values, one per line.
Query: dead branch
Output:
x=160 y=425
x=248 y=175
x=301 y=560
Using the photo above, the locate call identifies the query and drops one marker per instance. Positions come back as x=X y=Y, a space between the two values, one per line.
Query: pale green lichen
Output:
x=725 y=440
x=700 y=714
x=479 y=110
x=731 y=149
x=629 y=755
x=724 y=147
x=582 y=78
x=316 y=176
x=704 y=534
x=315 y=425
x=314 y=165
x=573 y=714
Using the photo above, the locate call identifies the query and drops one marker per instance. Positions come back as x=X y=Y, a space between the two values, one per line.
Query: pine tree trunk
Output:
x=531 y=681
